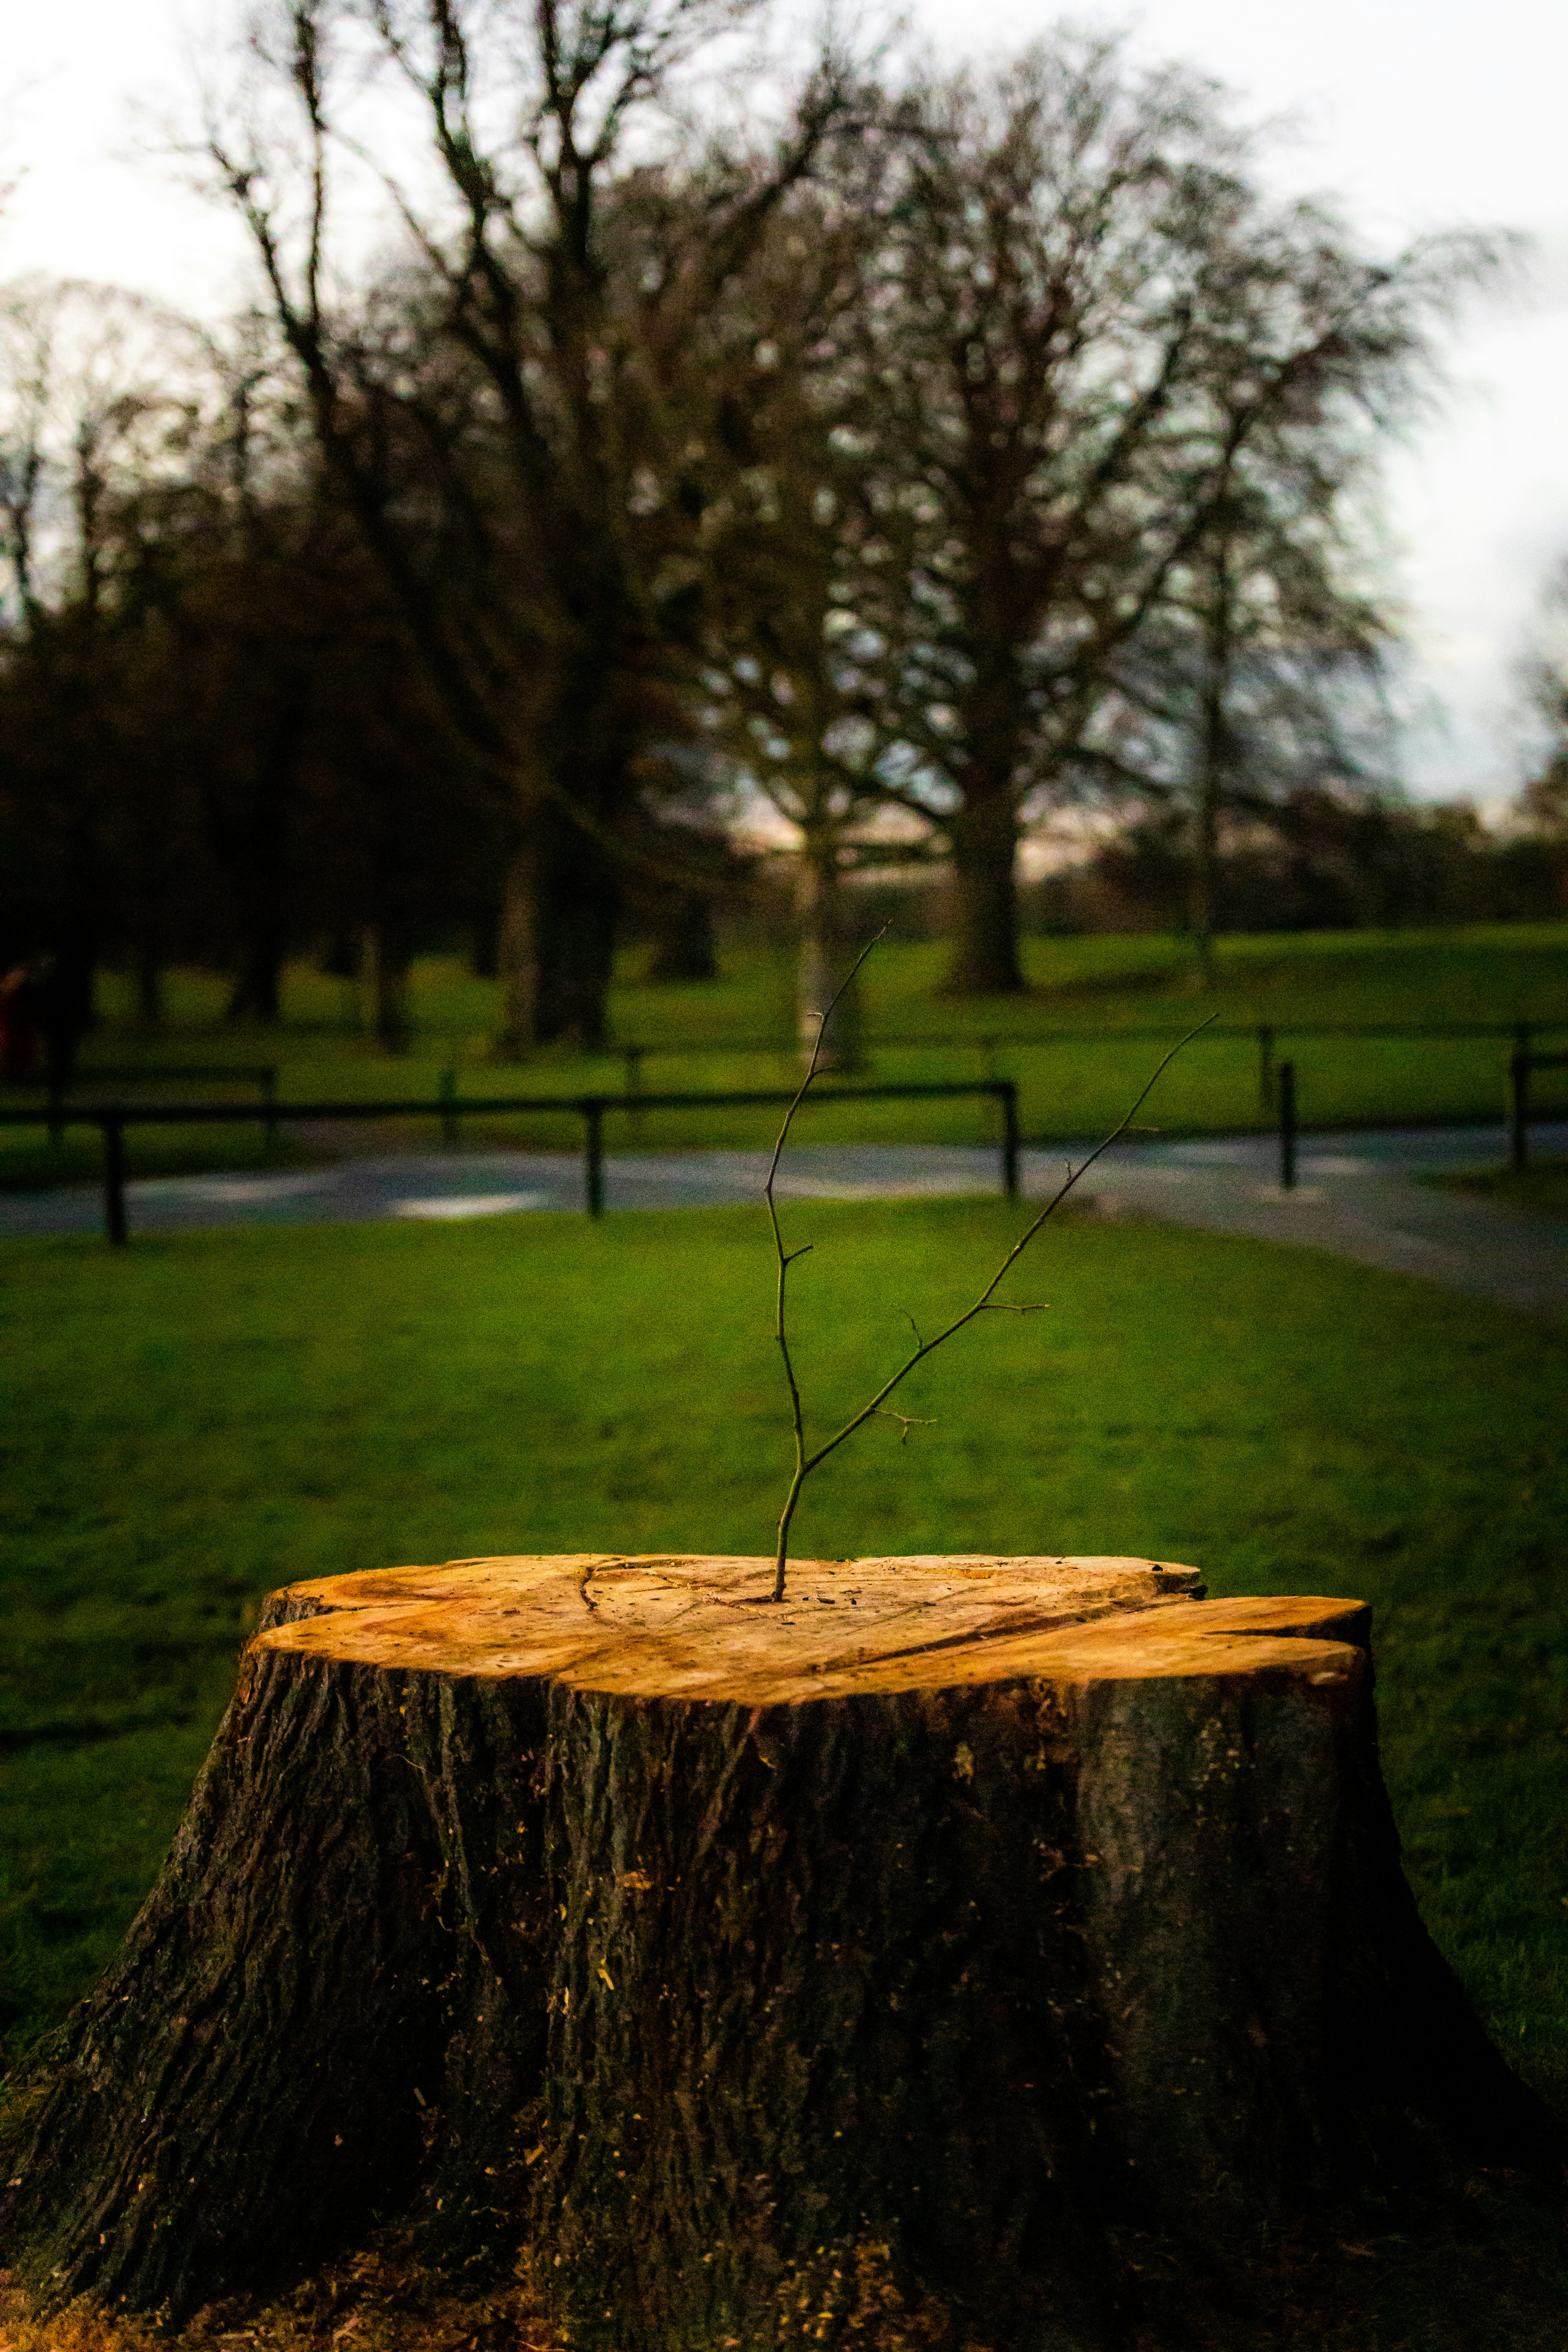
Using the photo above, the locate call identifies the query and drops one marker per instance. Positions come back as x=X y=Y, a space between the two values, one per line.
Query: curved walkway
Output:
x=1357 y=1195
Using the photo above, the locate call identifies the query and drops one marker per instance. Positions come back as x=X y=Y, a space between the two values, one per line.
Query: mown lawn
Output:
x=207 y=1416
x=735 y=1033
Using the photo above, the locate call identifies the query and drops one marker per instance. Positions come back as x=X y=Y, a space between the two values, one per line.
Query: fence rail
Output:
x=1265 y=1034
x=1276 y=1090
x=164 y=1074
x=261 y=1075
x=634 y=1053
x=111 y=1119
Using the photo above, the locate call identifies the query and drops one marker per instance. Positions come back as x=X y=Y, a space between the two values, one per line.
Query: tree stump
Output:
x=746 y=1970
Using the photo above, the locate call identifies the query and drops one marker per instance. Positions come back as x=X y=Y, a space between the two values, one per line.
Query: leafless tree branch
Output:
x=806 y=1461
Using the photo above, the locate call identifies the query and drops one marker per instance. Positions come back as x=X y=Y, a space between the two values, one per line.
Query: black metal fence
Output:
x=1267 y=1035
x=1277 y=1092
x=111 y=1119
x=1287 y=1127
x=1519 y=1072
x=263 y=1076
x=1520 y=1068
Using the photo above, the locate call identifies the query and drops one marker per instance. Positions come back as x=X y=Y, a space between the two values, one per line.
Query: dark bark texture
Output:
x=721 y=1963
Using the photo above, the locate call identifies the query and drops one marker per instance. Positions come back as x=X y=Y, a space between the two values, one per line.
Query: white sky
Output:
x=1418 y=114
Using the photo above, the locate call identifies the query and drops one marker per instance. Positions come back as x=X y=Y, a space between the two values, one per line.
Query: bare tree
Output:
x=102 y=395
x=549 y=397
x=99 y=389
x=787 y=528
x=1090 y=316
x=1258 y=675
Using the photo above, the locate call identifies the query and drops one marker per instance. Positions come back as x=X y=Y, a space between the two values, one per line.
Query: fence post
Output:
x=592 y=1108
x=1264 y=1067
x=1008 y=1090
x=448 y=1092
x=1519 y=1110
x=1287 y=1127
x=113 y=1132
x=269 y=1090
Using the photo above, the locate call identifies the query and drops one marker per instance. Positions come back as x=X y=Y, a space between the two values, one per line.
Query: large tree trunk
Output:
x=257 y=993
x=559 y=913
x=751 y=1970
x=383 y=968
x=64 y=999
x=149 y=966
x=820 y=972
x=687 y=948
x=256 y=848
x=984 y=836
x=1212 y=757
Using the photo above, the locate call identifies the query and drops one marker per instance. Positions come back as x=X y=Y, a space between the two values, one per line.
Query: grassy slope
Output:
x=718 y=1035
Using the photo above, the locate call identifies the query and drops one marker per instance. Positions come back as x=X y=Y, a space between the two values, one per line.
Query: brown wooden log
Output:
x=732 y=1963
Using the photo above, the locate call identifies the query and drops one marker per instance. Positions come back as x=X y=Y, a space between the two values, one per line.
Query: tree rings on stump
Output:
x=743 y=1969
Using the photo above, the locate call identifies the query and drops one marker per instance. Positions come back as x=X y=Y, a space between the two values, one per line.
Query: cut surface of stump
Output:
x=743 y=1969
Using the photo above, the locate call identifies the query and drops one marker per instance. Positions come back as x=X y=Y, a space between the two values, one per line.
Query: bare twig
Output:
x=786 y=1259
x=807 y=1462
x=911 y=1421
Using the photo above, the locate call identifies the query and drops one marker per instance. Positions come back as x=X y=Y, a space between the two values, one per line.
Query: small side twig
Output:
x=805 y=1461
x=910 y=1420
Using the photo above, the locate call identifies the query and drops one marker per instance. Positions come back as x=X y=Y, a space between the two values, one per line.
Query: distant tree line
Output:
x=915 y=455
x=1322 y=862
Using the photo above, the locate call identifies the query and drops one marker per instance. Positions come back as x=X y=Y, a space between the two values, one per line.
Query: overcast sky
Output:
x=1418 y=114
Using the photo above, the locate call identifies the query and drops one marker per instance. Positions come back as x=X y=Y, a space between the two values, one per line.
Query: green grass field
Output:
x=208 y=1416
x=734 y=1033
x=1541 y=1188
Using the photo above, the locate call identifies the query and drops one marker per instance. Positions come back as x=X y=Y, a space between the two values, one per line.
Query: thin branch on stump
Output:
x=806 y=1460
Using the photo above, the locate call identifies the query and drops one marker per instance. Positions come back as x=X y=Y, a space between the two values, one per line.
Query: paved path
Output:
x=1357 y=1195
x=1360 y=1196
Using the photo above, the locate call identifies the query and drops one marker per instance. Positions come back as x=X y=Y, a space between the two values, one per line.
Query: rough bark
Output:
x=730 y=1963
